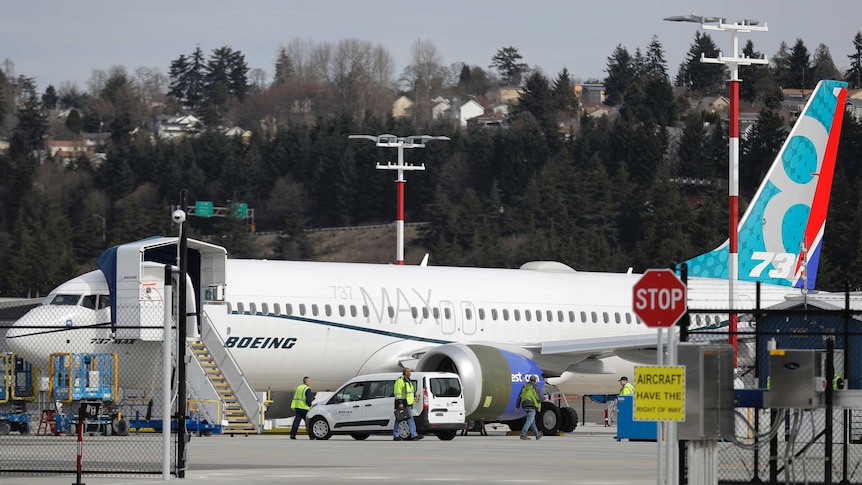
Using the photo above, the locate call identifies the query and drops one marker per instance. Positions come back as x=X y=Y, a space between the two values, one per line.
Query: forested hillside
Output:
x=550 y=182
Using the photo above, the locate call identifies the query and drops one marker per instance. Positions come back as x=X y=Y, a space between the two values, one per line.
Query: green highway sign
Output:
x=203 y=209
x=239 y=210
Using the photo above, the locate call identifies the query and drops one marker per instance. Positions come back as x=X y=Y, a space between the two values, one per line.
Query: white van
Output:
x=365 y=405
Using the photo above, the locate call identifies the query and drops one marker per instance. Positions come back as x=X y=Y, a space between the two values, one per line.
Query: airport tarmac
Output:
x=589 y=455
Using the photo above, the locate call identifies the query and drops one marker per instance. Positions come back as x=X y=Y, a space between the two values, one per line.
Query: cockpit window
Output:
x=89 y=301
x=104 y=302
x=66 y=300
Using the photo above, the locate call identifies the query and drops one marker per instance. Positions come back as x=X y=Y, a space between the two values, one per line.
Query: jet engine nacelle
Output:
x=491 y=378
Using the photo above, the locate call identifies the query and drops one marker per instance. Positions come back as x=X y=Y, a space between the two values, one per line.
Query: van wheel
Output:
x=403 y=429
x=320 y=428
x=568 y=420
x=446 y=435
x=360 y=436
x=548 y=420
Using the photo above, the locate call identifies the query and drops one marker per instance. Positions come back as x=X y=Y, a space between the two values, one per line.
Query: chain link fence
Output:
x=62 y=358
x=792 y=445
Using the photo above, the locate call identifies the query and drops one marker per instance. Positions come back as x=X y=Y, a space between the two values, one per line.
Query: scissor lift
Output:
x=87 y=379
x=17 y=387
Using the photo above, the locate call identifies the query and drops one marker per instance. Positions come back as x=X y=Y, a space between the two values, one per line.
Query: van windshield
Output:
x=445 y=386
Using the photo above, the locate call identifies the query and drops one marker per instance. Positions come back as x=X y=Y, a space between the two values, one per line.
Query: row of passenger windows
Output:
x=494 y=314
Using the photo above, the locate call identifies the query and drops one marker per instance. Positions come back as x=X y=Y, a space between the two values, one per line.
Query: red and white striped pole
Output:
x=392 y=141
x=733 y=204
x=399 y=219
x=82 y=416
x=733 y=62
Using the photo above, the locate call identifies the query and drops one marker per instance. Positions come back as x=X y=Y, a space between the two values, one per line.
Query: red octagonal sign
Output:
x=659 y=298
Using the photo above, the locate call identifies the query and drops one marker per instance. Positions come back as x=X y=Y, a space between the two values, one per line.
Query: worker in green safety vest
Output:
x=626 y=389
x=302 y=397
x=404 y=398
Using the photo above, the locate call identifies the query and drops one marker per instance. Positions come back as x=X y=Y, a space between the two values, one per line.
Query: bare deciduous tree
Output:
x=422 y=78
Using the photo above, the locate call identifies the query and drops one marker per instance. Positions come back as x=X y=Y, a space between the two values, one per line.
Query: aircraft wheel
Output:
x=360 y=436
x=446 y=435
x=403 y=429
x=568 y=420
x=548 y=420
x=320 y=428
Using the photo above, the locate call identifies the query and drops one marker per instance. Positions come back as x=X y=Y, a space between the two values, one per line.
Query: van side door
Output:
x=379 y=407
x=347 y=407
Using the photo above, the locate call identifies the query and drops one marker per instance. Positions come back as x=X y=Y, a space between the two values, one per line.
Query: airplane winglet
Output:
x=424 y=260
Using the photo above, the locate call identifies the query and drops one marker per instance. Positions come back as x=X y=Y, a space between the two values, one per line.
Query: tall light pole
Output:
x=392 y=141
x=733 y=62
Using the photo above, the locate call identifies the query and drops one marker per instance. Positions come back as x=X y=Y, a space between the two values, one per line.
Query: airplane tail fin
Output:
x=781 y=232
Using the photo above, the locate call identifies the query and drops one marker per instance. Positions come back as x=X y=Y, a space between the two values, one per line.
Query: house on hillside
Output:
x=402 y=107
x=712 y=104
x=67 y=150
x=469 y=110
x=590 y=92
x=854 y=108
x=173 y=127
x=236 y=131
x=441 y=108
x=510 y=94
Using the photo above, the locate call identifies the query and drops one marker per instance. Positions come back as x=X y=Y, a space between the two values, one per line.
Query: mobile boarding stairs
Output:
x=217 y=386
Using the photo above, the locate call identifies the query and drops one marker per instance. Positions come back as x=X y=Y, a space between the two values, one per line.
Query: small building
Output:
x=510 y=94
x=469 y=110
x=590 y=92
x=402 y=107
x=173 y=127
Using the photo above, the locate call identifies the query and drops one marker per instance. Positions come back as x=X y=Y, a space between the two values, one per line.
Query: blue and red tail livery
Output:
x=781 y=233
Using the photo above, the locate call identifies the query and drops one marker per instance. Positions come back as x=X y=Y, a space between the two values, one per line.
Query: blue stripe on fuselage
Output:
x=349 y=327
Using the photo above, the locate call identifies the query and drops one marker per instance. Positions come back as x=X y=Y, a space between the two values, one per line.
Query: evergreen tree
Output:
x=508 y=63
x=781 y=65
x=32 y=122
x=705 y=78
x=823 y=67
x=650 y=99
x=690 y=150
x=799 y=75
x=621 y=75
x=285 y=72
x=759 y=150
x=49 y=99
x=639 y=63
x=188 y=79
x=3 y=98
x=655 y=64
x=563 y=93
x=74 y=122
x=758 y=84
x=854 y=74
x=538 y=100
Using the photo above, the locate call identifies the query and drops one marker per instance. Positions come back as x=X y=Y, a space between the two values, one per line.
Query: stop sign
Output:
x=659 y=298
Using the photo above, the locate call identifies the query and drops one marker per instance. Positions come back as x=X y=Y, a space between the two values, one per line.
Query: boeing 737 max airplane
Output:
x=282 y=320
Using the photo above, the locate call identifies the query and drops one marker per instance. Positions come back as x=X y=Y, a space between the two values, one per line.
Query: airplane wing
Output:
x=592 y=346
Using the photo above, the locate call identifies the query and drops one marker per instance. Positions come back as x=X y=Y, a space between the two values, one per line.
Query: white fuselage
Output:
x=284 y=320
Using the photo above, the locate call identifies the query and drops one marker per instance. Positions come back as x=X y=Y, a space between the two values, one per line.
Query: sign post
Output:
x=660 y=300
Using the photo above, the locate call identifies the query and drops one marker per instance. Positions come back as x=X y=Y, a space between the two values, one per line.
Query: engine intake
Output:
x=491 y=378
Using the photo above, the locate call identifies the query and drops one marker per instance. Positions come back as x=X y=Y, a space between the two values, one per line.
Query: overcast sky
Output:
x=64 y=40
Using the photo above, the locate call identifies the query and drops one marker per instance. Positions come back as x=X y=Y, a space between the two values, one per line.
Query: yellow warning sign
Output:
x=659 y=393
